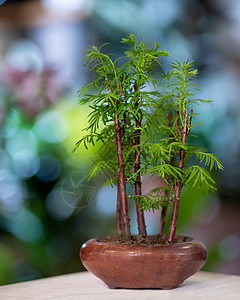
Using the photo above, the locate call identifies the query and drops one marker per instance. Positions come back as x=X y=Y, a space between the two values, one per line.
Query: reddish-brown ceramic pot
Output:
x=143 y=266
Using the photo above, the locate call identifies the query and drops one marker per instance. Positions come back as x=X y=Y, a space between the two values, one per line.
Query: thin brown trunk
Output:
x=122 y=183
x=118 y=212
x=178 y=189
x=122 y=193
x=138 y=183
x=166 y=194
x=162 y=219
x=138 y=192
x=173 y=224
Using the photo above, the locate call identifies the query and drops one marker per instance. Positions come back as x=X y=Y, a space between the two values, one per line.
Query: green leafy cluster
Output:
x=165 y=105
x=113 y=91
x=176 y=99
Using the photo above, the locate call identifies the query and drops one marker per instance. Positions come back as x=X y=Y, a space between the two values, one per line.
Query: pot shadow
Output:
x=182 y=285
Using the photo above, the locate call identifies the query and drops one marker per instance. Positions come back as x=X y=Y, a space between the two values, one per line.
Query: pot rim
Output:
x=187 y=240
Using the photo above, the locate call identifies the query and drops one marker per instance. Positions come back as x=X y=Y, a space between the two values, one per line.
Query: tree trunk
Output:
x=122 y=204
x=166 y=193
x=122 y=182
x=138 y=192
x=178 y=188
x=162 y=219
x=175 y=211
x=118 y=212
x=138 y=183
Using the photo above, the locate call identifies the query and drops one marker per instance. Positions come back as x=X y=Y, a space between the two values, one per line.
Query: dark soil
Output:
x=140 y=240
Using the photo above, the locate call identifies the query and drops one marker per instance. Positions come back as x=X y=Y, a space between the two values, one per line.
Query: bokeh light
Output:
x=52 y=127
x=49 y=169
x=105 y=200
x=229 y=248
x=26 y=226
x=12 y=193
x=26 y=163
x=57 y=206
x=66 y=7
x=25 y=55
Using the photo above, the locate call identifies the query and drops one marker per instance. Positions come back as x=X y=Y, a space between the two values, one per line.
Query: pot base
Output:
x=143 y=266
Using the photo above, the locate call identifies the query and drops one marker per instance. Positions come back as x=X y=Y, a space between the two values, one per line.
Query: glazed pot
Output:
x=143 y=266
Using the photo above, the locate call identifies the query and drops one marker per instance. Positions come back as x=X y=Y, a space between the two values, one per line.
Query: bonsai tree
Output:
x=143 y=116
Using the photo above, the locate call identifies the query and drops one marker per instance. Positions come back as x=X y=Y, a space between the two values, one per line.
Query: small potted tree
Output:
x=142 y=116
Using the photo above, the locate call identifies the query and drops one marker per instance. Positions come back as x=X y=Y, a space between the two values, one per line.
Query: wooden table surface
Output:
x=203 y=285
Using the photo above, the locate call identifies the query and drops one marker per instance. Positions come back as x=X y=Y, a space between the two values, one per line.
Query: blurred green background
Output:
x=42 y=225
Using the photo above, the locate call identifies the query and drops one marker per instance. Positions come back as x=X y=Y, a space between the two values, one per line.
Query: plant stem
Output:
x=178 y=188
x=166 y=194
x=138 y=183
x=118 y=212
x=122 y=193
x=138 y=192
x=176 y=201
x=122 y=182
x=162 y=219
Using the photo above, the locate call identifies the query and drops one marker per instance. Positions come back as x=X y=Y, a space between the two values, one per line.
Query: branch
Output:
x=190 y=121
x=137 y=157
x=110 y=90
x=183 y=140
x=198 y=161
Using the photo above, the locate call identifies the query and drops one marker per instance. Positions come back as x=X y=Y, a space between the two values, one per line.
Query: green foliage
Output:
x=127 y=88
x=199 y=176
x=211 y=160
x=101 y=167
